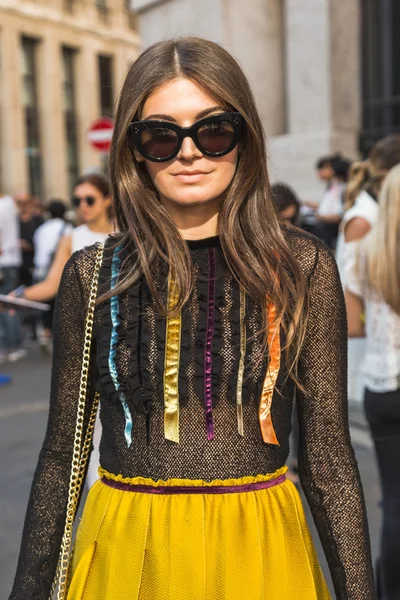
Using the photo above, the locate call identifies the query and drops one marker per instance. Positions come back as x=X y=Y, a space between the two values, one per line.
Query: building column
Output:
x=52 y=126
x=14 y=169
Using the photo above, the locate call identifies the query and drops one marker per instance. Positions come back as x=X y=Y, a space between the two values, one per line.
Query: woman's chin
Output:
x=190 y=198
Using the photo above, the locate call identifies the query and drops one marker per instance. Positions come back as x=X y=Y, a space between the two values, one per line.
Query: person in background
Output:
x=287 y=203
x=361 y=206
x=373 y=307
x=28 y=222
x=330 y=209
x=46 y=240
x=10 y=262
x=92 y=201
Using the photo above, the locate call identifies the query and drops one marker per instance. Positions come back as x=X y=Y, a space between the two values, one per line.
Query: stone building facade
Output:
x=61 y=65
x=303 y=60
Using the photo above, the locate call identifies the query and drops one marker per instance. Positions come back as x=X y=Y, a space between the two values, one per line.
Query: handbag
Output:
x=82 y=441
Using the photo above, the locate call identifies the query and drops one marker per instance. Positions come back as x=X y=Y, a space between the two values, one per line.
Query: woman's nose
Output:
x=189 y=150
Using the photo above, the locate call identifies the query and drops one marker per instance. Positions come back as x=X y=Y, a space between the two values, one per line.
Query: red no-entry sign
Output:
x=100 y=134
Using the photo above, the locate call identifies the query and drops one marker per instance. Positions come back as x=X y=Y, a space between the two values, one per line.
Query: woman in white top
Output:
x=373 y=290
x=361 y=214
x=92 y=201
x=362 y=190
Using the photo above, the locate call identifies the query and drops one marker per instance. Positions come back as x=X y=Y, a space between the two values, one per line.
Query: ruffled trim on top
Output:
x=192 y=482
x=103 y=335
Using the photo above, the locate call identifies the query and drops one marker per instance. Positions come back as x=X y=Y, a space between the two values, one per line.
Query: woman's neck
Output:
x=193 y=230
x=102 y=225
x=195 y=222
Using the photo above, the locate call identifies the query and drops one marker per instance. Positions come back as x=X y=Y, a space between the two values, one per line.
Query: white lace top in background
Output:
x=381 y=363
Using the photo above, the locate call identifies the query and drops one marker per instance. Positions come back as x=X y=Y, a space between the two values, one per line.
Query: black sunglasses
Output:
x=76 y=200
x=160 y=141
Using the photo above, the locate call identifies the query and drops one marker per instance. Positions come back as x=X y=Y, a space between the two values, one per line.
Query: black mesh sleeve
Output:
x=45 y=517
x=327 y=466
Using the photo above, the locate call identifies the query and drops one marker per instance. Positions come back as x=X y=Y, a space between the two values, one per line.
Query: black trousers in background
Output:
x=383 y=415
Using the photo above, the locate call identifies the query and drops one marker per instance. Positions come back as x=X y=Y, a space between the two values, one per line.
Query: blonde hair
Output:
x=369 y=174
x=382 y=245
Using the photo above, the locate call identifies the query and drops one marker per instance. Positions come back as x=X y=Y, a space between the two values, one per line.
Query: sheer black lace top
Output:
x=213 y=364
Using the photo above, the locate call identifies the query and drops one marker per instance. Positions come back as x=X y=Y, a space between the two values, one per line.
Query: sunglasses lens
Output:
x=90 y=200
x=76 y=201
x=160 y=142
x=216 y=136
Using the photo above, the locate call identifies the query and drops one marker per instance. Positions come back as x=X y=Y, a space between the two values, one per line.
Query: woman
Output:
x=92 y=201
x=361 y=198
x=329 y=211
x=193 y=333
x=361 y=214
x=373 y=305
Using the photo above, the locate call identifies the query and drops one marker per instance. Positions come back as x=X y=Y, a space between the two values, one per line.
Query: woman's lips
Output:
x=190 y=177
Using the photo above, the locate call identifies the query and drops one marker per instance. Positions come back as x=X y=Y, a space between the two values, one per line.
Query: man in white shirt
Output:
x=10 y=261
x=47 y=238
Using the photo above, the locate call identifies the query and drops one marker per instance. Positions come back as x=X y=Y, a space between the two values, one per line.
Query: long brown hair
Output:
x=251 y=239
x=369 y=174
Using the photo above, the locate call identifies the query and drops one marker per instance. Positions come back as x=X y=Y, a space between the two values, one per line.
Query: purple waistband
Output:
x=203 y=489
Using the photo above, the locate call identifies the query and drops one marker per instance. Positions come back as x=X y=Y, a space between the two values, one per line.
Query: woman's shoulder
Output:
x=309 y=251
x=82 y=262
x=364 y=207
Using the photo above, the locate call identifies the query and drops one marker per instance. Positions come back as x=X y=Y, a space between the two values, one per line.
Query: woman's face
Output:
x=190 y=178
x=93 y=205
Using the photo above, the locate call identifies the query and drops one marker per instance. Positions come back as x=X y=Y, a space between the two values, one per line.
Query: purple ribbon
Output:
x=208 y=347
x=190 y=489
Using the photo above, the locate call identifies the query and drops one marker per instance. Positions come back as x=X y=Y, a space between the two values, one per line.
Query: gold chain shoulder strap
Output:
x=82 y=442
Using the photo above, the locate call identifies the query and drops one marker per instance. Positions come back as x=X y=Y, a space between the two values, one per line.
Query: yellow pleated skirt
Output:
x=246 y=545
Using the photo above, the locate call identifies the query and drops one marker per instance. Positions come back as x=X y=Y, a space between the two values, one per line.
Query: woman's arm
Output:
x=327 y=465
x=356 y=229
x=45 y=517
x=47 y=289
x=355 y=311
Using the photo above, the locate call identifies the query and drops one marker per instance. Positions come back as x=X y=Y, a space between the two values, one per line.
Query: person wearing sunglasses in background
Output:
x=92 y=202
x=209 y=314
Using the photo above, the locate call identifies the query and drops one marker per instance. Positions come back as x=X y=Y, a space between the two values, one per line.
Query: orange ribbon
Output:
x=274 y=348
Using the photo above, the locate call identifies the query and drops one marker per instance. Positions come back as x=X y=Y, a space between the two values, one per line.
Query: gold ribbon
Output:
x=239 y=388
x=171 y=368
x=274 y=348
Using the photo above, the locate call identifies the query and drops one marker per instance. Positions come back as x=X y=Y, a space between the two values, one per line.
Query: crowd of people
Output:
x=35 y=244
x=359 y=219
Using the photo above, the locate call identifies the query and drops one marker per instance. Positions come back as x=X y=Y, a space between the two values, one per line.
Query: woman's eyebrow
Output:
x=199 y=115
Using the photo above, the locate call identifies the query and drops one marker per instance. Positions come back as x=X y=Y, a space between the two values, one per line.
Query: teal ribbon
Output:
x=114 y=308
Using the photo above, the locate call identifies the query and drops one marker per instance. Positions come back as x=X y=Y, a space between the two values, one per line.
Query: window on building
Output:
x=106 y=85
x=103 y=10
x=31 y=110
x=381 y=70
x=70 y=115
